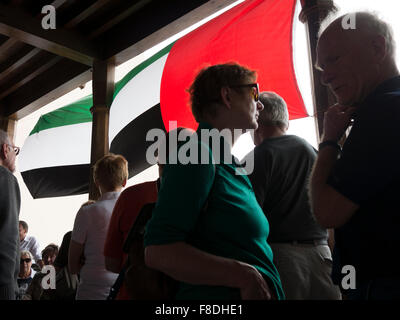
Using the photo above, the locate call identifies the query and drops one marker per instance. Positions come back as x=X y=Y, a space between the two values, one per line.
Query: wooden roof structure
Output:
x=39 y=65
x=91 y=38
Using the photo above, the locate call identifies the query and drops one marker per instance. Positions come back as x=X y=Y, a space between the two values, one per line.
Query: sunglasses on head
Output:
x=255 y=91
x=27 y=260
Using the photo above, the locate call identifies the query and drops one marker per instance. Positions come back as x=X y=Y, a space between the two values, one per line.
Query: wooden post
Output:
x=103 y=90
x=9 y=125
x=312 y=14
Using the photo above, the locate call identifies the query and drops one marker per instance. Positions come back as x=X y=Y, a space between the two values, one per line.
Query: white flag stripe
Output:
x=66 y=145
x=140 y=94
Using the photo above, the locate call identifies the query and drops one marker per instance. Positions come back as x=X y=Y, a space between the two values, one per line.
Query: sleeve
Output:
x=259 y=176
x=115 y=238
x=183 y=192
x=79 y=233
x=9 y=237
x=35 y=250
x=371 y=157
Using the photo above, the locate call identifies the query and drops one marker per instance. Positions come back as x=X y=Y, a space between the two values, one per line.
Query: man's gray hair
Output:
x=377 y=26
x=4 y=137
x=369 y=22
x=275 y=111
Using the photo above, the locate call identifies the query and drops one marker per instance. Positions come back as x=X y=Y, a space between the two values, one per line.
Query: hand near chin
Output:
x=336 y=120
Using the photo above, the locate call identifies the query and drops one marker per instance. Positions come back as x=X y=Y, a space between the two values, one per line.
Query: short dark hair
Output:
x=24 y=225
x=205 y=91
x=52 y=247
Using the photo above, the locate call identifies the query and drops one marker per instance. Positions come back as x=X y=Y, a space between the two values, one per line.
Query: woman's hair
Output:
x=62 y=257
x=26 y=253
x=205 y=91
x=52 y=247
x=111 y=171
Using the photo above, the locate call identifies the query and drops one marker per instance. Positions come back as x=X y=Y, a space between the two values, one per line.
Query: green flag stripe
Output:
x=79 y=111
x=120 y=84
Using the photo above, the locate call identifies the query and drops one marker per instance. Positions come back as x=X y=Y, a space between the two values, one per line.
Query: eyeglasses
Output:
x=255 y=91
x=16 y=149
x=27 y=260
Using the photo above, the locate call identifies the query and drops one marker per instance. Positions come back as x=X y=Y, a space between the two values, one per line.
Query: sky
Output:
x=49 y=219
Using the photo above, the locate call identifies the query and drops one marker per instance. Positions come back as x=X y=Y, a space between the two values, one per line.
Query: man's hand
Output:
x=336 y=120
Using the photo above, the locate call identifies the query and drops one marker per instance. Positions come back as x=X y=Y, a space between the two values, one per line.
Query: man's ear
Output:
x=225 y=95
x=379 y=46
x=3 y=151
x=124 y=183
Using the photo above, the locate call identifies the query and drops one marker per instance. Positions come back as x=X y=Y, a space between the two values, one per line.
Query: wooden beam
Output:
x=46 y=88
x=166 y=32
x=312 y=14
x=30 y=71
x=86 y=13
x=117 y=19
x=103 y=90
x=19 y=60
x=9 y=125
x=61 y=42
x=43 y=89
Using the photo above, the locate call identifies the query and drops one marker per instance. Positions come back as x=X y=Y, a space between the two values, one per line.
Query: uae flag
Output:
x=255 y=33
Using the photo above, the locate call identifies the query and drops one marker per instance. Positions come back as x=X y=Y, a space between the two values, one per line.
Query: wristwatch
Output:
x=330 y=143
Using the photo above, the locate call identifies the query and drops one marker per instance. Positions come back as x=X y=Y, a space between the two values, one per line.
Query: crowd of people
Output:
x=284 y=228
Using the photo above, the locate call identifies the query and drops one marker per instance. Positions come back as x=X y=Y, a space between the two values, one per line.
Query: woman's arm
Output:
x=188 y=264
x=75 y=255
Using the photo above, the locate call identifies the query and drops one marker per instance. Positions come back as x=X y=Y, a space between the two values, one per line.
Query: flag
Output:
x=255 y=33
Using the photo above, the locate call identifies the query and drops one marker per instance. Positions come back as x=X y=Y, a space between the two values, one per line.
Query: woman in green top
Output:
x=207 y=229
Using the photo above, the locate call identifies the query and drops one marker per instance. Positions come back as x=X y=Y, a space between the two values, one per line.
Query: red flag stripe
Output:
x=257 y=34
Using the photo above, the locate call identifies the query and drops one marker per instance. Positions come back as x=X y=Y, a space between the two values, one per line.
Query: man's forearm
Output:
x=318 y=187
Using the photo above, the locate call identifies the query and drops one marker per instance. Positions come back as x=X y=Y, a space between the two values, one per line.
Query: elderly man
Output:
x=282 y=165
x=30 y=244
x=356 y=190
x=10 y=200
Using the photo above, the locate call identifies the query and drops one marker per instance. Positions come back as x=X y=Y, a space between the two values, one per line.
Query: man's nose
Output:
x=326 y=77
x=260 y=106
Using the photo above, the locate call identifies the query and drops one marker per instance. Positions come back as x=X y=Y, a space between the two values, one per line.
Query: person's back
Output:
x=90 y=229
x=285 y=163
x=282 y=165
x=124 y=214
x=92 y=223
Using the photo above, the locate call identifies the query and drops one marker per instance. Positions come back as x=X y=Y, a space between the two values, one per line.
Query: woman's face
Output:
x=25 y=264
x=244 y=105
x=48 y=257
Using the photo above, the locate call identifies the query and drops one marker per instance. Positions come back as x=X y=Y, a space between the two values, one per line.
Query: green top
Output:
x=233 y=225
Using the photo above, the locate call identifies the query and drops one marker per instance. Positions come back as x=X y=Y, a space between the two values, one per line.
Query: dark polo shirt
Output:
x=368 y=173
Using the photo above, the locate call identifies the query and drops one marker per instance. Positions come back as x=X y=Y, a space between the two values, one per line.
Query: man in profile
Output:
x=282 y=165
x=356 y=190
x=10 y=201
x=30 y=244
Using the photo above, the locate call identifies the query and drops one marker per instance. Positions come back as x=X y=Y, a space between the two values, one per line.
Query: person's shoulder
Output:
x=8 y=175
x=132 y=190
x=30 y=238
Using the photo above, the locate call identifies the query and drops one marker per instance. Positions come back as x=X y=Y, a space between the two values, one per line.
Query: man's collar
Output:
x=392 y=84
